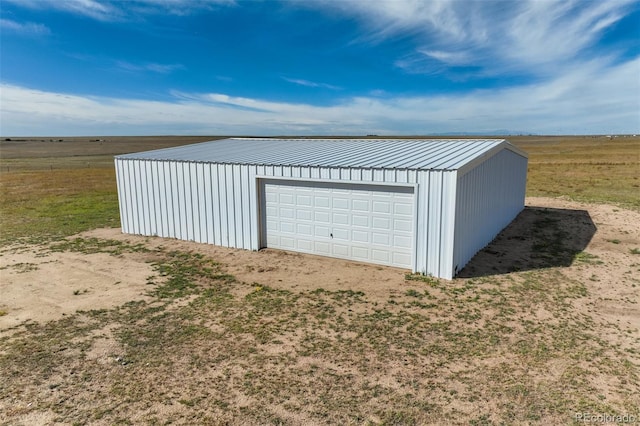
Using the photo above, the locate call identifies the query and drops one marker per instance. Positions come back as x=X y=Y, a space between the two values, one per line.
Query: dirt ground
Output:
x=603 y=241
x=40 y=286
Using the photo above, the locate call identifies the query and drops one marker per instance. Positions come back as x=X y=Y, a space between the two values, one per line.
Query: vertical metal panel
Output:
x=447 y=225
x=120 y=185
x=245 y=209
x=222 y=197
x=152 y=167
x=434 y=222
x=215 y=204
x=202 y=203
x=147 y=183
x=135 y=197
x=254 y=208
x=489 y=197
x=166 y=200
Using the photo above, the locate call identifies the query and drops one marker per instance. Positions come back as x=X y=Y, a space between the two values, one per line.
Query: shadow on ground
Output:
x=538 y=238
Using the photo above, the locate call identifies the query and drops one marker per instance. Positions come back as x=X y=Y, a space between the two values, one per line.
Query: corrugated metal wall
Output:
x=488 y=198
x=218 y=203
x=458 y=213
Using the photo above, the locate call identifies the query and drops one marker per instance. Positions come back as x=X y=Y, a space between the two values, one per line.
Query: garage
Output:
x=425 y=205
x=369 y=223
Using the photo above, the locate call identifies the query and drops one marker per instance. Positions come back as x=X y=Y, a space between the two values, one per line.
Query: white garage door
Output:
x=369 y=223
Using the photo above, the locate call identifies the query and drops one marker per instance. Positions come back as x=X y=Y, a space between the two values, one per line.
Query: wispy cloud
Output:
x=308 y=83
x=116 y=10
x=99 y=10
x=592 y=98
x=497 y=37
x=26 y=28
x=153 y=67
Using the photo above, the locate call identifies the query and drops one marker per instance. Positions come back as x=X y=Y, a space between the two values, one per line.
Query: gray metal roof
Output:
x=417 y=154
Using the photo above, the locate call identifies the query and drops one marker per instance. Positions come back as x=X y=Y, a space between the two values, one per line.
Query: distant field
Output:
x=105 y=328
x=585 y=168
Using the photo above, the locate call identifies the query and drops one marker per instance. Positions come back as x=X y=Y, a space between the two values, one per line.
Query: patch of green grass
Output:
x=428 y=279
x=37 y=205
x=98 y=245
x=22 y=267
x=3 y=312
x=634 y=250
x=584 y=257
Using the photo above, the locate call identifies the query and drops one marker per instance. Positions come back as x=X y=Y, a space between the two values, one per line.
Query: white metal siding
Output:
x=457 y=211
x=436 y=207
x=370 y=223
x=212 y=203
x=488 y=198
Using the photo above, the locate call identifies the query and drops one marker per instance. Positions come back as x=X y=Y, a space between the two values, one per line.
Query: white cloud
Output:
x=26 y=28
x=308 y=83
x=589 y=99
x=151 y=66
x=116 y=10
x=525 y=36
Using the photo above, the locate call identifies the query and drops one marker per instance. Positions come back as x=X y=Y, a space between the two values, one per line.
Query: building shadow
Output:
x=537 y=238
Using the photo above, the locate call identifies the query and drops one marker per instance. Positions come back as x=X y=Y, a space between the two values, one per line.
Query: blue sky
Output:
x=353 y=67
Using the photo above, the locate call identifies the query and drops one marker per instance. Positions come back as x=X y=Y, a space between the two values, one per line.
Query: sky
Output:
x=312 y=67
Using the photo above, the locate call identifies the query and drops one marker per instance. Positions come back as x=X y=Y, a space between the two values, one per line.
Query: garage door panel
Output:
x=381 y=239
x=370 y=223
x=340 y=219
x=284 y=199
x=382 y=223
x=380 y=256
x=304 y=214
x=360 y=253
x=402 y=241
x=340 y=204
x=287 y=227
x=322 y=231
x=322 y=248
x=401 y=259
x=304 y=200
x=305 y=245
x=381 y=207
x=322 y=217
x=272 y=211
x=360 y=205
x=402 y=225
x=286 y=212
x=340 y=250
x=321 y=202
x=359 y=236
x=359 y=220
x=405 y=209
x=287 y=242
x=340 y=234
x=304 y=229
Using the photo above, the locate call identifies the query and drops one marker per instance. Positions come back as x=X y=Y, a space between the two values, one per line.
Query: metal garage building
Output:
x=424 y=205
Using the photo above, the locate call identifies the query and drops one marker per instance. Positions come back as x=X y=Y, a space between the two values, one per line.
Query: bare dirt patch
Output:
x=39 y=285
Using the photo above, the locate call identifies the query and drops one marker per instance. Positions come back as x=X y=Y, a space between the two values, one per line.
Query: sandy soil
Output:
x=37 y=285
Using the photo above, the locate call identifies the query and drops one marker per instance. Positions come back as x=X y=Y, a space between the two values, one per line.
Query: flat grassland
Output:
x=97 y=327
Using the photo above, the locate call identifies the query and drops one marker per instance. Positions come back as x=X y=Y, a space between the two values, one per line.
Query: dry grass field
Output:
x=97 y=327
